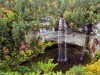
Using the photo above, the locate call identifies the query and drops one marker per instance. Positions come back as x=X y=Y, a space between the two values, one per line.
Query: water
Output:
x=84 y=48
x=86 y=28
x=62 y=46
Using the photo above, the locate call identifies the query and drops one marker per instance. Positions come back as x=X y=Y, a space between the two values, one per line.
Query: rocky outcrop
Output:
x=94 y=41
x=71 y=37
x=75 y=38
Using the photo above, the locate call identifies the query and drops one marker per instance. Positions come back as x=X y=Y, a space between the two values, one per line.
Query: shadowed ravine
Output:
x=74 y=55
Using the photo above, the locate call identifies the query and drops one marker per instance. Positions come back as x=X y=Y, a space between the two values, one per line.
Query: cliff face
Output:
x=94 y=41
x=76 y=38
x=71 y=37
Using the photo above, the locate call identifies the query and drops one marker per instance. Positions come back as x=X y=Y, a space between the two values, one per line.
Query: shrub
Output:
x=98 y=55
x=93 y=69
x=76 y=70
x=44 y=67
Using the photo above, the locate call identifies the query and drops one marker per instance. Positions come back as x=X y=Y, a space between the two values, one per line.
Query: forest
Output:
x=22 y=53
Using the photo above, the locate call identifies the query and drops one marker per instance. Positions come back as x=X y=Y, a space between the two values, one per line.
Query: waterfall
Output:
x=62 y=46
x=84 y=47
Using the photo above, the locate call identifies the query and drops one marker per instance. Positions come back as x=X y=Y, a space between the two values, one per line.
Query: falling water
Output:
x=62 y=34
x=84 y=48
